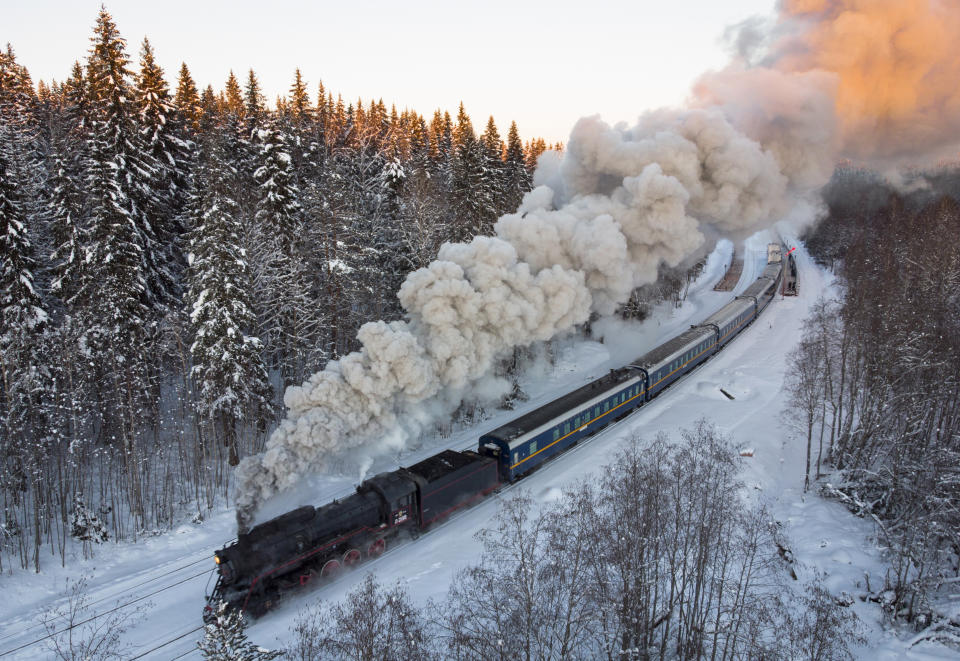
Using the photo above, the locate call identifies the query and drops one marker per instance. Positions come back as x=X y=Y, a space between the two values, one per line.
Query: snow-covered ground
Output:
x=169 y=573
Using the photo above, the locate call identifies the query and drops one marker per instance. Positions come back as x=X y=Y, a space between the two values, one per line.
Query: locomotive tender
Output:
x=289 y=551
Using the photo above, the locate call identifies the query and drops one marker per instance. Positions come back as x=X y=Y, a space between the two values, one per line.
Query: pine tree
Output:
x=285 y=304
x=168 y=154
x=497 y=171
x=226 y=640
x=518 y=180
x=233 y=99
x=473 y=184
x=65 y=210
x=187 y=100
x=85 y=525
x=16 y=89
x=21 y=307
x=254 y=104
x=463 y=133
x=121 y=175
x=492 y=142
x=231 y=379
x=210 y=107
x=279 y=207
x=299 y=105
x=22 y=322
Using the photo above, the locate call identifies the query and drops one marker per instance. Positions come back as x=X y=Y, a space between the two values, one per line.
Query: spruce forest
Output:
x=175 y=257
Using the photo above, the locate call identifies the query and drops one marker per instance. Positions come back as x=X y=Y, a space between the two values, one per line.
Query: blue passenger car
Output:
x=525 y=443
x=731 y=318
x=671 y=360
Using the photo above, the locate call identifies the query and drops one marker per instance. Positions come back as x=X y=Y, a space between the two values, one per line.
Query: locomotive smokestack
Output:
x=757 y=141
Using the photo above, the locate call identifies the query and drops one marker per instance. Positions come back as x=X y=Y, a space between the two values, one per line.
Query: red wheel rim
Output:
x=377 y=547
x=351 y=557
x=331 y=568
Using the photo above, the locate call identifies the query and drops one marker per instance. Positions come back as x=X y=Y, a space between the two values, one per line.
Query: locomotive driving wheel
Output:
x=376 y=548
x=331 y=568
x=351 y=557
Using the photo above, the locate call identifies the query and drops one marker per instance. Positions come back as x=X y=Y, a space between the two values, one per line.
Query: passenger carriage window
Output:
x=596 y=412
x=566 y=428
x=516 y=456
x=576 y=422
x=606 y=406
x=556 y=434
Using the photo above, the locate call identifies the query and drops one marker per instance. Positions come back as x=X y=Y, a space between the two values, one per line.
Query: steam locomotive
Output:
x=311 y=543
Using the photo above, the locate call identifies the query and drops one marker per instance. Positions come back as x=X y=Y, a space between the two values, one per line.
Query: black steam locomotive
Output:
x=292 y=550
x=310 y=542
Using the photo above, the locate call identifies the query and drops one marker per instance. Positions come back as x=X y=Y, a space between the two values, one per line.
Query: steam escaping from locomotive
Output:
x=756 y=142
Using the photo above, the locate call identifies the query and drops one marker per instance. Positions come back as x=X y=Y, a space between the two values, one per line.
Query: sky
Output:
x=541 y=63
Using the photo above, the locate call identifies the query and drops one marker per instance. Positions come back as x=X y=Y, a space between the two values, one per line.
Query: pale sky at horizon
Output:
x=544 y=64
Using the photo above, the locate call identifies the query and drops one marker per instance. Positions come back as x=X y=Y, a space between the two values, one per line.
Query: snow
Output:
x=824 y=538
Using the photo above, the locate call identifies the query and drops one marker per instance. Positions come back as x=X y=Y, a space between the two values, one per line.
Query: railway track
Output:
x=118 y=596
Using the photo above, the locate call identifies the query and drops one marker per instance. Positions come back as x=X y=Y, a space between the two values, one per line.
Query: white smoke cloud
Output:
x=621 y=202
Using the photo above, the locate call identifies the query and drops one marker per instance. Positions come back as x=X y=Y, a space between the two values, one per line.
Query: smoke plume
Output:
x=894 y=68
x=758 y=138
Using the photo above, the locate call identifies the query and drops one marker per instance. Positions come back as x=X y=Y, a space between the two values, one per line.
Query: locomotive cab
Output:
x=398 y=497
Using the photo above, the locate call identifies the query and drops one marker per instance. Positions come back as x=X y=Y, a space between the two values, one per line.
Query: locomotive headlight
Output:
x=216 y=559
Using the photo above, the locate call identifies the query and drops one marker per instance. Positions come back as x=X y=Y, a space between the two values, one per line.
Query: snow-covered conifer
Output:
x=279 y=206
x=227 y=367
x=233 y=97
x=65 y=209
x=187 y=100
x=473 y=203
x=22 y=319
x=226 y=640
x=299 y=105
x=518 y=181
x=120 y=175
x=85 y=525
